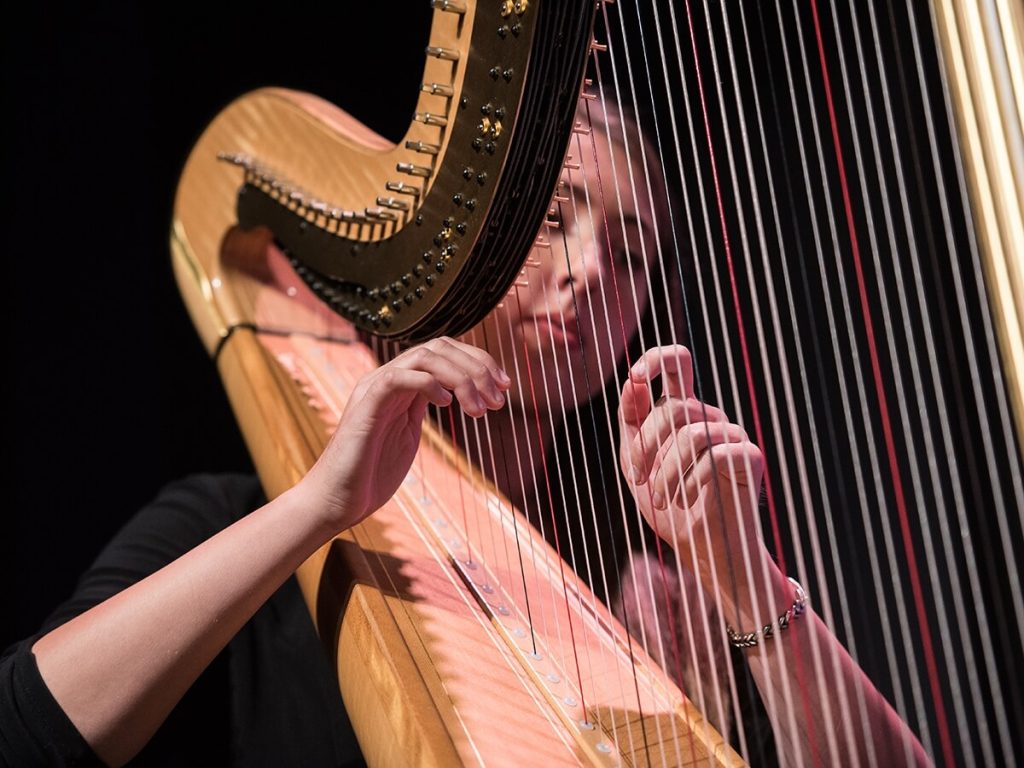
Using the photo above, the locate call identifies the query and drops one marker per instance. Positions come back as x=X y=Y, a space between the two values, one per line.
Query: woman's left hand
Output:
x=695 y=475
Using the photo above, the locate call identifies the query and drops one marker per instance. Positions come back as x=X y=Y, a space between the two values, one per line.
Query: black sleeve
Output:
x=33 y=728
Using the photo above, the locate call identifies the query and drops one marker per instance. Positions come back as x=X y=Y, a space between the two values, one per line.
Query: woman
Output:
x=102 y=683
x=584 y=325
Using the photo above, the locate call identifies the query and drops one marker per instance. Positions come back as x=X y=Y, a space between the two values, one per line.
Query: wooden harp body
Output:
x=324 y=233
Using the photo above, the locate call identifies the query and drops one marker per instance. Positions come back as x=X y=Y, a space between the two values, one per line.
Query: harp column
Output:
x=982 y=45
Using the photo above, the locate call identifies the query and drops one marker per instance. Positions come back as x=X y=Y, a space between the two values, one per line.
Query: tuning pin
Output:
x=423 y=147
x=437 y=89
x=448 y=54
x=427 y=118
x=413 y=170
x=377 y=213
x=402 y=188
x=451 y=6
x=390 y=202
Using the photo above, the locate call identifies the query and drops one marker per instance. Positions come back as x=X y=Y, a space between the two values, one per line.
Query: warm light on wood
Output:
x=982 y=43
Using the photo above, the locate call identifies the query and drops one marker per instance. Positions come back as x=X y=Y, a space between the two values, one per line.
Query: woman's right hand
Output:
x=376 y=440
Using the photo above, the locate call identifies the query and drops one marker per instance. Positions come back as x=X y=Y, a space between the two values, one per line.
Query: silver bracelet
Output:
x=750 y=639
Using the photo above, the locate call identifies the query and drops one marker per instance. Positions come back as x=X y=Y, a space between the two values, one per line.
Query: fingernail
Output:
x=639 y=370
x=658 y=500
x=637 y=476
x=503 y=378
x=499 y=399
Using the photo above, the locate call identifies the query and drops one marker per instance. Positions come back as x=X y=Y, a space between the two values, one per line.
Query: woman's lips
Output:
x=561 y=329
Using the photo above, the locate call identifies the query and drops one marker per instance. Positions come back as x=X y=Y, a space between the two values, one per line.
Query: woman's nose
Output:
x=584 y=267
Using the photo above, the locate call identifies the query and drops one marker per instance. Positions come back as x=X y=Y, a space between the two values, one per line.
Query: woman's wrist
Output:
x=751 y=594
x=314 y=508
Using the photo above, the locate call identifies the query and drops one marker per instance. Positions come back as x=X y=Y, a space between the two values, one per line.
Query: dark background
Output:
x=112 y=393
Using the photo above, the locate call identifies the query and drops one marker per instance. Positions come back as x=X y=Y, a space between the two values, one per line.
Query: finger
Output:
x=668 y=415
x=672 y=361
x=473 y=383
x=487 y=375
x=680 y=456
x=387 y=388
x=500 y=377
x=634 y=405
x=733 y=466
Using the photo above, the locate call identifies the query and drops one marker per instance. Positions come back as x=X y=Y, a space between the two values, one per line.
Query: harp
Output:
x=452 y=618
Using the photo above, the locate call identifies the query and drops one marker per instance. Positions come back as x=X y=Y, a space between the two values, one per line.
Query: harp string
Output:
x=1005 y=422
x=546 y=474
x=581 y=255
x=702 y=609
x=848 y=312
x=608 y=325
x=880 y=594
x=568 y=248
x=717 y=202
x=616 y=183
x=886 y=224
x=557 y=422
x=767 y=381
x=515 y=528
x=824 y=600
x=802 y=288
x=604 y=201
x=933 y=456
x=897 y=483
x=659 y=336
x=1001 y=515
x=525 y=479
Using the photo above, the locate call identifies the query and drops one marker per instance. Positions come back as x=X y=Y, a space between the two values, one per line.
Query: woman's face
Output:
x=561 y=334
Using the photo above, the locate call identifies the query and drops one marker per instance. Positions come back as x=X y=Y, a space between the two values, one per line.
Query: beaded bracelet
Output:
x=749 y=639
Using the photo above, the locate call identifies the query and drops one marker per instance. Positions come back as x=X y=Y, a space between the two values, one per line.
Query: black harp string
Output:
x=527 y=479
x=587 y=129
x=577 y=406
x=503 y=451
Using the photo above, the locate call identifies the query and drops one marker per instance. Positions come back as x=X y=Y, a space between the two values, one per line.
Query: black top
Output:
x=270 y=698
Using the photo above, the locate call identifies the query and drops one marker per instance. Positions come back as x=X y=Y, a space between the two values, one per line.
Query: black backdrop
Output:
x=113 y=394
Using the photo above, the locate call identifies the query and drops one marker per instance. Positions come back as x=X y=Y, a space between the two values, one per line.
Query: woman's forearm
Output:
x=118 y=669
x=822 y=706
